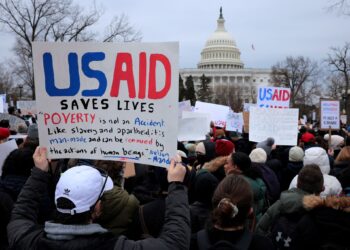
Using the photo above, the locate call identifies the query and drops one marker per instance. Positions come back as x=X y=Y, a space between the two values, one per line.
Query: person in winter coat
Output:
x=310 y=181
x=318 y=156
x=78 y=205
x=295 y=164
x=341 y=162
x=205 y=152
x=258 y=157
x=232 y=203
x=240 y=164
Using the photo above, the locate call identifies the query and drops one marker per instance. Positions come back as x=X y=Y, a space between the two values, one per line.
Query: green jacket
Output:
x=259 y=190
x=291 y=201
x=118 y=210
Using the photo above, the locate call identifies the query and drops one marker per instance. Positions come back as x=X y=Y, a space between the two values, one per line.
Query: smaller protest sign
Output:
x=234 y=122
x=273 y=97
x=6 y=148
x=218 y=113
x=281 y=124
x=343 y=119
x=330 y=115
x=192 y=129
x=27 y=107
x=2 y=103
x=184 y=106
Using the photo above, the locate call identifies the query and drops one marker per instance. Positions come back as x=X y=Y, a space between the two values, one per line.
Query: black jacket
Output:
x=25 y=233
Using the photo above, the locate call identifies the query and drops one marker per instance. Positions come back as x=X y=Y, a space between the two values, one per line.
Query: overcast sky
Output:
x=276 y=28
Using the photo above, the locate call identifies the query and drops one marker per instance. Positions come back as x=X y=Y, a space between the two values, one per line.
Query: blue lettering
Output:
x=50 y=86
x=91 y=73
x=269 y=94
x=262 y=95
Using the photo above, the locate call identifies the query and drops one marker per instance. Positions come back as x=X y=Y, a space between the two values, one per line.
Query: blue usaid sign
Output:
x=273 y=97
x=107 y=101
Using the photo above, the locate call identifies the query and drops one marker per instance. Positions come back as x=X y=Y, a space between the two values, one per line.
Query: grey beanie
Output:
x=296 y=154
x=266 y=145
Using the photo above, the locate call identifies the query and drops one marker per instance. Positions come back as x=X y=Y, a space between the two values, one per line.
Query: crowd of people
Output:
x=225 y=192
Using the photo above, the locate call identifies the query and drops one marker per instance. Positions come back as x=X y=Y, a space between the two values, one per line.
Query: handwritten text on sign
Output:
x=107 y=101
x=281 y=124
x=273 y=97
x=330 y=112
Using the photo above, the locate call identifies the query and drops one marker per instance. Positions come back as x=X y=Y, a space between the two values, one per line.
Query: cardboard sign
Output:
x=108 y=100
x=281 y=124
x=27 y=107
x=234 y=122
x=330 y=115
x=246 y=122
x=217 y=112
x=273 y=97
x=192 y=129
x=5 y=149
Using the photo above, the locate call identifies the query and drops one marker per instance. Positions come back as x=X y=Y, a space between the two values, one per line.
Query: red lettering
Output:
x=66 y=117
x=123 y=75
x=46 y=117
x=53 y=118
x=275 y=96
x=142 y=75
x=92 y=117
x=286 y=95
x=79 y=117
x=152 y=91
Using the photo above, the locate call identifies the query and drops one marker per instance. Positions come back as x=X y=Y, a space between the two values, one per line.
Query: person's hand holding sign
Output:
x=40 y=158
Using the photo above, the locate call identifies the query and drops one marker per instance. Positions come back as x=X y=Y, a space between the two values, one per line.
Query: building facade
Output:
x=221 y=62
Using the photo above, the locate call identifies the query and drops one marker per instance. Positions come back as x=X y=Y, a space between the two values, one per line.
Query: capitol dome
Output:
x=220 y=50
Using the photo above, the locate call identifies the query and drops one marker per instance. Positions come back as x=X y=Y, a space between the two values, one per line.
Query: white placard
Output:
x=273 y=97
x=111 y=101
x=246 y=106
x=281 y=124
x=27 y=107
x=5 y=149
x=330 y=112
x=2 y=103
x=218 y=113
x=192 y=129
x=234 y=122
x=184 y=106
x=188 y=114
x=343 y=118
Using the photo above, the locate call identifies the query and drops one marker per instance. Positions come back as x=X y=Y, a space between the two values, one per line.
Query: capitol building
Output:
x=221 y=63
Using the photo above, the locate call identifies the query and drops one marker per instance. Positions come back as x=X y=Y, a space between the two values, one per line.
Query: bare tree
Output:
x=55 y=20
x=229 y=95
x=294 y=73
x=340 y=6
x=6 y=81
x=339 y=61
x=335 y=86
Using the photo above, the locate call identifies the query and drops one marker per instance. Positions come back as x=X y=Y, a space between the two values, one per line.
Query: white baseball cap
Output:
x=82 y=185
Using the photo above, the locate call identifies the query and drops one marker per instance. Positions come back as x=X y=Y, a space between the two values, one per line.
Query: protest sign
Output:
x=13 y=120
x=184 y=106
x=27 y=107
x=246 y=106
x=234 y=122
x=5 y=149
x=218 y=113
x=273 y=97
x=281 y=124
x=330 y=115
x=2 y=103
x=188 y=114
x=192 y=129
x=107 y=100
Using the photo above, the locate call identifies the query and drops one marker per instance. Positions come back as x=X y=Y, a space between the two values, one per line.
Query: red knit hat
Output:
x=4 y=133
x=307 y=137
x=223 y=147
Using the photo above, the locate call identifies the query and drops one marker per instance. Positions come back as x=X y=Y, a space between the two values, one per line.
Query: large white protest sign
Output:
x=330 y=114
x=281 y=124
x=217 y=112
x=190 y=114
x=273 y=97
x=234 y=122
x=2 y=103
x=184 y=106
x=27 y=107
x=5 y=149
x=192 y=129
x=108 y=100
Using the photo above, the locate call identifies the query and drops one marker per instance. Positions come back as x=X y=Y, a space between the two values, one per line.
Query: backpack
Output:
x=242 y=244
x=284 y=232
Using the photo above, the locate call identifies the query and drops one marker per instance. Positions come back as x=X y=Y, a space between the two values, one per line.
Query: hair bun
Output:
x=228 y=208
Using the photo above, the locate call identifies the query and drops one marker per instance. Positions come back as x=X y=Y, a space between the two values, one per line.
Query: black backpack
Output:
x=242 y=244
x=285 y=231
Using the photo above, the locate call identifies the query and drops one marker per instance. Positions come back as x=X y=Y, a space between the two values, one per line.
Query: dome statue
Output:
x=220 y=51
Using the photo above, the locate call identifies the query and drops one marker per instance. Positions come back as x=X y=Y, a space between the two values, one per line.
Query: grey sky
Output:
x=277 y=28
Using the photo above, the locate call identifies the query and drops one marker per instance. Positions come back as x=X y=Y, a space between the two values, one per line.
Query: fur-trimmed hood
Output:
x=215 y=164
x=338 y=203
